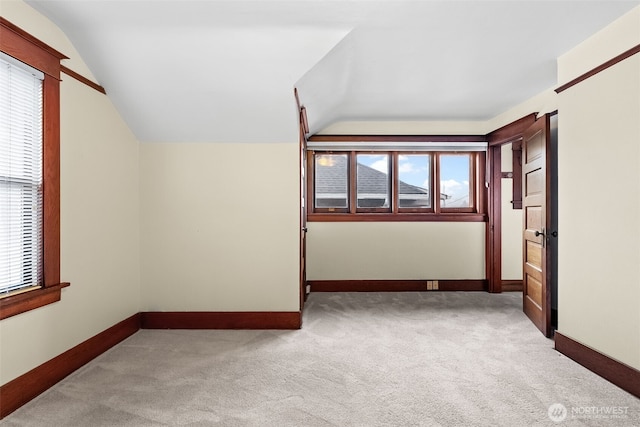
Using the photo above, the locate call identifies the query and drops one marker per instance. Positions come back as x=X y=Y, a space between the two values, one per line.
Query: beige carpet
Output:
x=361 y=359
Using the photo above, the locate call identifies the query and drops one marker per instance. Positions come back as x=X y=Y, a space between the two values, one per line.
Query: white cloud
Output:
x=406 y=168
x=450 y=184
x=381 y=165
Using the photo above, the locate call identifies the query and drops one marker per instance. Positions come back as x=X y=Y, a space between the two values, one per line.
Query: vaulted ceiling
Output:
x=224 y=71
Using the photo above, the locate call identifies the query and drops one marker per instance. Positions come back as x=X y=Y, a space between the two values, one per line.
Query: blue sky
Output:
x=414 y=170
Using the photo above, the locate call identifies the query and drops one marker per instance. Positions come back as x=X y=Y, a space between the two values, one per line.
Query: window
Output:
x=456 y=181
x=397 y=185
x=414 y=182
x=332 y=182
x=373 y=193
x=20 y=176
x=29 y=172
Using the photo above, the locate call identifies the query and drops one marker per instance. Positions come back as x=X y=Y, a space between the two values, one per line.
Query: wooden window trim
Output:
x=26 y=48
x=353 y=182
x=351 y=174
x=396 y=185
x=397 y=217
x=398 y=138
x=477 y=213
x=311 y=176
x=472 y=188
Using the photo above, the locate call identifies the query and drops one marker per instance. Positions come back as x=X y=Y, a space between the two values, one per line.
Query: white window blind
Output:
x=21 y=207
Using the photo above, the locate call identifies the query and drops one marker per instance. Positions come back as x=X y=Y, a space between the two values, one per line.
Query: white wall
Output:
x=599 y=196
x=219 y=227
x=544 y=102
x=511 y=223
x=342 y=251
x=395 y=250
x=99 y=219
x=414 y=127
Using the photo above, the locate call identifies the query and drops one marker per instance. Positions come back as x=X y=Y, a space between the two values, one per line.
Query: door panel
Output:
x=534 y=258
x=534 y=182
x=536 y=189
x=533 y=217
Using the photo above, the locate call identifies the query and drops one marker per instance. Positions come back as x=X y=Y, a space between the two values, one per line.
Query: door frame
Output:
x=303 y=131
x=511 y=133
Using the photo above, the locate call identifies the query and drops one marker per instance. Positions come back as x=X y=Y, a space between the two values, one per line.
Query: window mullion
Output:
x=435 y=179
x=473 y=179
x=395 y=203
x=353 y=189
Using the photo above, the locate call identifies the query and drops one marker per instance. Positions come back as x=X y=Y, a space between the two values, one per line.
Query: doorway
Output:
x=506 y=228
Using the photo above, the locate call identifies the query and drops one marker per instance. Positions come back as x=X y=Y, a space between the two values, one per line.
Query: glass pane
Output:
x=331 y=180
x=455 y=180
x=414 y=181
x=373 y=180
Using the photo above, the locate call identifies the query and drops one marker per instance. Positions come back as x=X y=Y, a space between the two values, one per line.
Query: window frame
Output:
x=353 y=182
x=396 y=184
x=478 y=198
x=312 y=176
x=37 y=54
x=473 y=166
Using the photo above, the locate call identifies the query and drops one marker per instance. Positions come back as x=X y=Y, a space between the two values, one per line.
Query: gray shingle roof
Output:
x=332 y=181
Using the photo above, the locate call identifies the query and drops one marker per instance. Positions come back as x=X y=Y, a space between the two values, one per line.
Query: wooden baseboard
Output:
x=396 y=285
x=21 y=390
x=511 y=285
x=221 y=320
x=624 y=376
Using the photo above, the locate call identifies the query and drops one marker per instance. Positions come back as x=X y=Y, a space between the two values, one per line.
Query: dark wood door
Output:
x=303 y=219
x=536 y=213
x=304 y=130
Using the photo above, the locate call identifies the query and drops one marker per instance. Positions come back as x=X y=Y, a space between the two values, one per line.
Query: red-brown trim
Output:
x=613 y=61
x=221 y=320
x=21 y=390
x=21 y=45
x=395 y=285
x=396 y=217
x=51 y=192
x=69 y=72
x=511 y=285
x=20 y=303
x=512 y=131
x=493 y=242
x=26 y=48
x=516 y=166
x=398 y=138
x=303 y=129
x=618 y=373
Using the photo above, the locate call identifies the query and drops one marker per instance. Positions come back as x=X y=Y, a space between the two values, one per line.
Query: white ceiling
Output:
x=224 y=71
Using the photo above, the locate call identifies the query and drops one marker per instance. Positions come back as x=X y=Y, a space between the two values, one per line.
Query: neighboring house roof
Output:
x=333 y=180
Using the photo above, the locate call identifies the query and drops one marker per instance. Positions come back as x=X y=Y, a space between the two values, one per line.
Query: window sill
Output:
x=20 y=303
x=399 y=217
